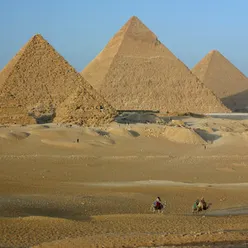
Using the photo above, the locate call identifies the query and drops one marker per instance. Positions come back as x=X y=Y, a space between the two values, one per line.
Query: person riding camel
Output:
x=195 y=205
x=158 y=204
x=202 y=204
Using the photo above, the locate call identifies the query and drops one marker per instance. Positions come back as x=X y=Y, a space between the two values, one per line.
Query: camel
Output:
x=154 y=209
x=200 y=206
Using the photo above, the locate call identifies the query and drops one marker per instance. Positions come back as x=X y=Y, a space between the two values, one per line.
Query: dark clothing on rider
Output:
x=158 y=205
x=204 y=205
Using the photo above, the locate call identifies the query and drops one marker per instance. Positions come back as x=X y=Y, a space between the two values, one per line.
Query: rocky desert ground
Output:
x=70 y=186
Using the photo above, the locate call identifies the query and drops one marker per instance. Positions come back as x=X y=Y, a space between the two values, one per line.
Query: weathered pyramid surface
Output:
x=36 y=81
x=82 y=108
x=136 y=72
x=223 y=78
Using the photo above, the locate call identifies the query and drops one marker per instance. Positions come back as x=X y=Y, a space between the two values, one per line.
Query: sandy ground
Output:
x=55 y=192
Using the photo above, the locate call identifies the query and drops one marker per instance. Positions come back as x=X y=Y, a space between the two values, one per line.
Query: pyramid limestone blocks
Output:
x=224 y=79
x=81 y=108
x=39 y=79
x=136 y=72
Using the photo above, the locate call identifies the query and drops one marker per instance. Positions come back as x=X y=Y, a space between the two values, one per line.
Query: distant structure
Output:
x=82 y=108
x=38 y=80
x=136 y=72
x=224 y=79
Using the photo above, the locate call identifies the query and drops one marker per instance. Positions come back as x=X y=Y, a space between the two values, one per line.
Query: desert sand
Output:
x=71 y=186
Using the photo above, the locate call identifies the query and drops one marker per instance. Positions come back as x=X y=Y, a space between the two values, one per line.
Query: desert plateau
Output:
x=71 y=186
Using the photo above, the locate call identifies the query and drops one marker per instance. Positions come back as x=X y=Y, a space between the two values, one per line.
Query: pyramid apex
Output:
x=37 y=37
x=134 y=18
x=137 y=30
x=214 y=52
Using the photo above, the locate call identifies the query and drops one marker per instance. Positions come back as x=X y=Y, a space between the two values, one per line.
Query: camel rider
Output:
x=202 y=204
x=158 y=204
x=196 y=204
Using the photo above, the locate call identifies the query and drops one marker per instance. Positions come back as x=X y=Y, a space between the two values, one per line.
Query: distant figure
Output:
x=158 y=204
x=77 y=140
x=195 y=205
x=202 y=204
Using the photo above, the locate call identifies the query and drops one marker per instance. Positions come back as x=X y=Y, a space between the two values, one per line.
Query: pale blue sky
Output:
x=79 y=29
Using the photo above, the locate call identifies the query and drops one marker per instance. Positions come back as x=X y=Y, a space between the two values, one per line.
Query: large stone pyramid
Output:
x=136 y=72
x=224 y=79
x=37 y=80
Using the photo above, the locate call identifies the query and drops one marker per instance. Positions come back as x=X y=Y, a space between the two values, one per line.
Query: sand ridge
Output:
x=136 y=71
x=183 y=135
x=60 y=193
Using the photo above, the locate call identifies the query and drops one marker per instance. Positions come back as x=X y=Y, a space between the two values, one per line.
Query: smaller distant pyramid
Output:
x=224 y=79
x=36 y=81
x=82 y=108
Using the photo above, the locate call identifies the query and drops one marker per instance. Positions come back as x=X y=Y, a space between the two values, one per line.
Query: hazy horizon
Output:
x=79 y=30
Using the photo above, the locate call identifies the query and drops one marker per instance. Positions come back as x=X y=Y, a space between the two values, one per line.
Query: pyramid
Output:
x=37 y=80
x=224 y=79
x=81 y=108
x=136 y=72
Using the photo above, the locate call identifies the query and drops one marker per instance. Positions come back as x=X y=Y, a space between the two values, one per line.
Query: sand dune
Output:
x=208 y=135
x=183 y=135
x=65 y=144
x=15 y=135
x=158 y=236
x=55 y=192
x=91 y=131
x=35 y=127
x=123 y=132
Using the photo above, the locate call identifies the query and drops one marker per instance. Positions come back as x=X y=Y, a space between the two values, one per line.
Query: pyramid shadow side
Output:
x=237 y=102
